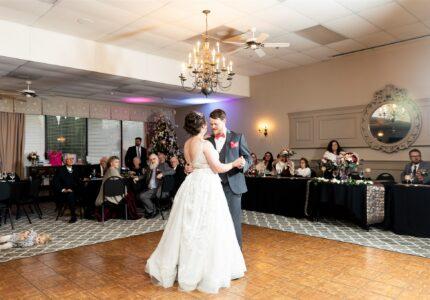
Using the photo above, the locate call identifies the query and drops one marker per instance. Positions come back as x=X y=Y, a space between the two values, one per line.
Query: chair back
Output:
x=35 y=187
x=113 y=186
x=167 y=187
x=313 y=173
x=4 y=191
x=386 y=177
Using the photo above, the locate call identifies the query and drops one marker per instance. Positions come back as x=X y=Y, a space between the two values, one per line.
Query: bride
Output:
x=199 y=248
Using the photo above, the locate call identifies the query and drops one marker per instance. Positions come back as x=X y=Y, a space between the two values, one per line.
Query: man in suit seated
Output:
x=66 y=184
x=137 y=169
x=152 y=176
x=179 y=173
x=417 y=169
x=135 y=151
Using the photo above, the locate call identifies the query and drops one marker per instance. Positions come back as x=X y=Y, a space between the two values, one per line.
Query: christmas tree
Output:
x=164 y=137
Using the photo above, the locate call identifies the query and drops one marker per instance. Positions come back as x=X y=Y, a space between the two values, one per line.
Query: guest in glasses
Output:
x=417 y=169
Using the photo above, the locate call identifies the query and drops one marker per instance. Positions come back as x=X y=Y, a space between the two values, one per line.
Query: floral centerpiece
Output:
x=33 y=157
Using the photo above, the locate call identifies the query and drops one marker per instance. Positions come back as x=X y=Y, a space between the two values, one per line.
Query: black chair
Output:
x=5 y=203
x=385 y=177
x=313 y=173
x=163 y=198
x=113 y=186
x=28 y=195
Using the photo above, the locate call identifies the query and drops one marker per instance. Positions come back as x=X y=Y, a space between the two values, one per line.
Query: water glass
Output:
x=361 y=174
x=12 y=176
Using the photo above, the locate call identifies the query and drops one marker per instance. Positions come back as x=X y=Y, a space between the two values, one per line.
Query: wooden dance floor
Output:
x=281 y=265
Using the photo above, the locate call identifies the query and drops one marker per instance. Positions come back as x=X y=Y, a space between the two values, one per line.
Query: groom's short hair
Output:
x=218 y=114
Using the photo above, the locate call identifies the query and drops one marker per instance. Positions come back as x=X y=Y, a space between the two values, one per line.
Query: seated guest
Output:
x=417 y=169
x=113 y=167
x=333 y=151
x=101 y=169
x=304 y=170
x=285 y=166
x=266 y=165
x=66 y=184
x=161 y=157
x=179 y=173
x=253 y=167
x=152 y=176
x=137 y=169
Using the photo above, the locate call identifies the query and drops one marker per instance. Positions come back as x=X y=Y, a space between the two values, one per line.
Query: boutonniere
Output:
x=234 y=144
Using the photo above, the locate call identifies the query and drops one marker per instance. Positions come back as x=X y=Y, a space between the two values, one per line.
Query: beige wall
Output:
x=344 y=81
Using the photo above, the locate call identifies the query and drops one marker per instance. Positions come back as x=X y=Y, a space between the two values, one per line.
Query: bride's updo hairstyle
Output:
x=194 y=121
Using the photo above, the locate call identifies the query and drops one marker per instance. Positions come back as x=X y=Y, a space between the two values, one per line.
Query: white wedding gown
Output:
x=198 y=248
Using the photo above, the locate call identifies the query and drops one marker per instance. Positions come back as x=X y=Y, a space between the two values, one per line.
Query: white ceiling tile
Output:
x=359 y=5
x=278 y=63
x=285 y=17
x=388 y=15
x=296 y=41
x=318 y=10
x=22 y=12
x=346 y=46
x=321 y=53
x=249 y=6
x=170 y=13
x=409 y=31
x=352 y=26
x=419 y=8
x=247 y=23
x=138 y=7
x=299 y=59
x=173 y=32
x=376 y=39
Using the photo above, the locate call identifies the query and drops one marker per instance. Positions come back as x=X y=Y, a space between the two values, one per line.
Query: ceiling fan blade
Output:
x=234 y=43
x=234 y=51
x=262 y=37
x=277 y=45
x=260 y=52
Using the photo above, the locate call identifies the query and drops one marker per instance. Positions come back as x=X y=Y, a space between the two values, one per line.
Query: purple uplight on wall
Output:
x=196 y=101
x=137 y=100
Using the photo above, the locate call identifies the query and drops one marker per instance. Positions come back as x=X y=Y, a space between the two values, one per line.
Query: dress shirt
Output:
x=219 y=142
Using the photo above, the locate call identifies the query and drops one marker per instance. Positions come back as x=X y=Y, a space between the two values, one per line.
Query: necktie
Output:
x=219 y=135
x=138 y=152
x=414 y=170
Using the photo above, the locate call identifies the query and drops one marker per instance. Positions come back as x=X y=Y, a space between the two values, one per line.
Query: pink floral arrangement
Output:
x=55 y=158
x=349 y=159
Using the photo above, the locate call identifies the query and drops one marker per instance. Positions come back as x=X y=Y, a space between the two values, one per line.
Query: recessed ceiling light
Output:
x=84 y=21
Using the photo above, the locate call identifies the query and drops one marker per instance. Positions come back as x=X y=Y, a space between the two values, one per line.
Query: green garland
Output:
x=349 y=181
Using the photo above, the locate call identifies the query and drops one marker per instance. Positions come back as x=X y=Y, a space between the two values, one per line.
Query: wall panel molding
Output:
x=343 y=124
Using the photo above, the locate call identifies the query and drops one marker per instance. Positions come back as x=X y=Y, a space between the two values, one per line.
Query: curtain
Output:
x=11 y=142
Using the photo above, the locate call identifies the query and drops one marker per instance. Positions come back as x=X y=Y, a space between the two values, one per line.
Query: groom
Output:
x=230 y=146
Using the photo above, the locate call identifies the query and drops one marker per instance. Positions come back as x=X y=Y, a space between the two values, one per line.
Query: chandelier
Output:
x=206 y=67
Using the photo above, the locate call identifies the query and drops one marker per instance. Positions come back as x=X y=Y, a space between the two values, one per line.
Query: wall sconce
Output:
x=264 y=130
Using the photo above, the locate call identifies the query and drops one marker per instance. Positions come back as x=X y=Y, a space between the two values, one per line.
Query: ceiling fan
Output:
x=27 y=92
x=254 y=43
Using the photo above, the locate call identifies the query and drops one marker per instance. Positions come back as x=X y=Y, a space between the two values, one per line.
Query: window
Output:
x=34 y=136
x=131 y=130
x=104 y=139
x=66 y=134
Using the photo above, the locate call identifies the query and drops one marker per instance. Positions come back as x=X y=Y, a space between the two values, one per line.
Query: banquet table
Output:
x=409 y=209
x=282 y=196
x=362 y=204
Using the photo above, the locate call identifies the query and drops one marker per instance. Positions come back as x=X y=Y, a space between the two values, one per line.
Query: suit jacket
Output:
x=132 y=153
x=179 y=177
x=234 y=147
x=423 y=165
x=63 y=179
x=164 y=168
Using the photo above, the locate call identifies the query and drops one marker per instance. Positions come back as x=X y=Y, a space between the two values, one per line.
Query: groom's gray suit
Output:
x=233 y=182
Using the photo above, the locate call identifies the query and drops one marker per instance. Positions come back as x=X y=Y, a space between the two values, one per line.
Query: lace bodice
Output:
x=200 y=161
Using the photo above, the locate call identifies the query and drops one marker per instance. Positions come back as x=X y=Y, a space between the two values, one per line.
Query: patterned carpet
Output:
x=87 y=232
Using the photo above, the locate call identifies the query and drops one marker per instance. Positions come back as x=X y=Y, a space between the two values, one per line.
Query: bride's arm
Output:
x=214 y=162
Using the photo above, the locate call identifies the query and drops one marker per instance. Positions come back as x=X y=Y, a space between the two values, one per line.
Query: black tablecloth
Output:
x=410 y=209
x=280 y=196
x=338 y=200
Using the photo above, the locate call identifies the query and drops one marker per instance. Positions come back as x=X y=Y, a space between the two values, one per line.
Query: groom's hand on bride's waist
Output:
x=188 y=169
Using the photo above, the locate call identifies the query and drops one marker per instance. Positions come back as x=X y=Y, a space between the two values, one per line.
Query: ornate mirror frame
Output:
x=391 y=94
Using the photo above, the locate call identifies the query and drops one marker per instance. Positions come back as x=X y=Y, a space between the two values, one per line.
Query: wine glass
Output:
x=408 y=178
x=279 y=170
x=335 y=173
x=361 y=174
x=93 y=173
x=12 y=176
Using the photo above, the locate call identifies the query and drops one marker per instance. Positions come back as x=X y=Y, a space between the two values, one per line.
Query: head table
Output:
x=402 y=208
